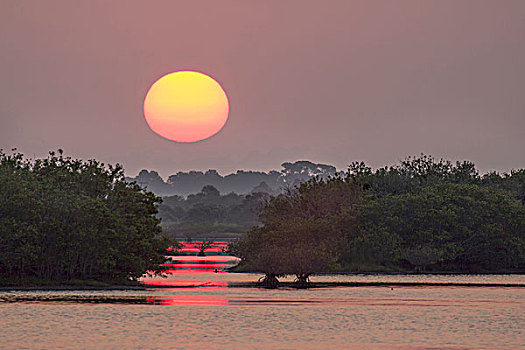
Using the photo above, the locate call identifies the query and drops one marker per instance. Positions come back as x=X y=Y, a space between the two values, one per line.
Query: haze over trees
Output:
x=208 y=205
x=241 y=182
x=208 y=214
x=63 y=219
x=420 y=215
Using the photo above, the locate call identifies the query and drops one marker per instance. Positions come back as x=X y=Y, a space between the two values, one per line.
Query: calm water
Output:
x=194 y=309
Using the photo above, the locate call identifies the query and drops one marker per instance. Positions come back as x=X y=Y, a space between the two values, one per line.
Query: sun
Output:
x=186 y=106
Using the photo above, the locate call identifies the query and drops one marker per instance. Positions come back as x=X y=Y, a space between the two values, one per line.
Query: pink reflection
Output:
x=188 y=300
x=186 y=283
x=193 y=288
x=199 y=263
x=194 y=247
x=196 y=250
x=215 y=260
x=196 y=264
x=193 y=271
x=208 y=258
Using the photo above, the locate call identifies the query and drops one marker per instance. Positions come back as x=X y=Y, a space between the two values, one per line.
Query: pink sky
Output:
x=329 y=82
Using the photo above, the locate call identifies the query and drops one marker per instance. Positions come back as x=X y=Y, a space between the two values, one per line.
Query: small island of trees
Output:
x=64 y=220
x=422 y=215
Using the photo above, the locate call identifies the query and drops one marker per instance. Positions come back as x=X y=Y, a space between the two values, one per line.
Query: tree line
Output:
x=240 y=182
x=63 y=219
x=209 y=214
x=420 y=215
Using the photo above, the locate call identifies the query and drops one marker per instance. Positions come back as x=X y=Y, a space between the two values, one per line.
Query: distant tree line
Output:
x=241 y=182
x=420 y=215
x=63 y=219
x=209 y=214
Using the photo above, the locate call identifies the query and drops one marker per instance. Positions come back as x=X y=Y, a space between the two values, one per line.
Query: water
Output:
x=195 y=309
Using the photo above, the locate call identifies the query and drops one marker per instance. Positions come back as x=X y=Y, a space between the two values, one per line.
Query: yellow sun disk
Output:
x=186 y=107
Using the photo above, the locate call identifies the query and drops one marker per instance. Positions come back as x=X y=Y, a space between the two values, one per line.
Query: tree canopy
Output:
x=63 y=219
x=210 y=214
x=446 y=227
x=421 y=215
x=302 y=230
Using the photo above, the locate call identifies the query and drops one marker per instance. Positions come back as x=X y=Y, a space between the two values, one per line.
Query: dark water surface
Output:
x=194 y=309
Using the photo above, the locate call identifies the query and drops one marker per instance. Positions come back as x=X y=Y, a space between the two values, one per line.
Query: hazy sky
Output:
x=326 y=81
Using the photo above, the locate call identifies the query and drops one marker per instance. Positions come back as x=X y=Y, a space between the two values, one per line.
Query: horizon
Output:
x=223 y=173
x=233 y=171
x=333 y=83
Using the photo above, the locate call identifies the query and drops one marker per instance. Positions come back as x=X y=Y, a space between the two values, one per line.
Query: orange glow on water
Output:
x=196 y=250
x=188 y=300
x=210 y=285
x=196 y=270
x=186 y=106
x=198 y=264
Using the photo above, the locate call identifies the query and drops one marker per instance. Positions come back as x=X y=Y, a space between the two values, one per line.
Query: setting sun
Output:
x=186 y=106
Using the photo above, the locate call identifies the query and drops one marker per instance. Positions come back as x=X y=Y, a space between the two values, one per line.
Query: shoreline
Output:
x=314 y=285
x=91 y=285
x=392 y=273
x=70 y=288
x=286 y=285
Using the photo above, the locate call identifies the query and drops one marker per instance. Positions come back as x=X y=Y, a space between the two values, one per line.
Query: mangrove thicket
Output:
x=65 y=219
x=422 y=215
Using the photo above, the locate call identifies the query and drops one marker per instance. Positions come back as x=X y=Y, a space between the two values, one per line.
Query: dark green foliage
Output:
x=208 y=213
x=455 y=227
x=64 y=219
x=302 y=232
x=514 y=183
x=421 y=215
x=241 y=182
x=412 y=174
